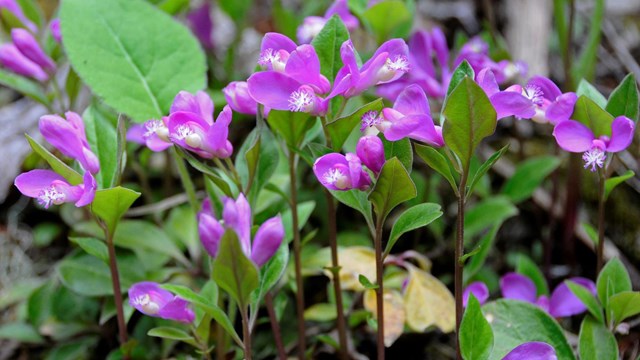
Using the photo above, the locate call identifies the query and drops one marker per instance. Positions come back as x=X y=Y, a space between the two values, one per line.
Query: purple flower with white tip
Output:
x=154 y=134
x=236 y=215
x=312 y=25
x=478 y=289
x=574 y=136
x=387 y=64
x=562 y=302
x=69 y=137
x=29 y=47
x=341 y=172
x=191 y=126
x=370 y=150
x=49 y=188
x=12 y=59
x=410 y=117
x=238 y=98
x=534 y=350
x=150 y=299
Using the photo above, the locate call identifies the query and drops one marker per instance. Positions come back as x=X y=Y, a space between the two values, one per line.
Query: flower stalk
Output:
x=380 y=289
x=459 y=252
x=601 y=210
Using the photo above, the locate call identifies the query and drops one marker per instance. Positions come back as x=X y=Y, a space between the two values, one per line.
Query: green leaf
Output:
x=364 y=281
x=208 y=171
x=355 y=199
x=89 y=276
x=291 y=126
x=233 y=271
x=470 y=117
x=613 y=279
x=624 y=305
x=484 y=168
x=110 y=204
x=340 y=129
x=587 y=299
x=413 y=218
x=585 y=66
x=136 y=235
x=304 y=212
x=623 y=101
x=102 y=138
x=393 y=187
x=437 y=162
x=32 y=11
x=321 y=312
x=21 y=332
x=400 y=149
x=612 y=182
x=596 y=342
x=131 y=54
x=24 y=86
x=72 y=85
x=481 y=252
x=93 y=247
x=56 y=164
x=593 y=116
x=516 y=322
x=463 y=70
x=173 y=7
x=585 y=88
x=493 y=210
x=172 y=333
x=388 y=19
x=476 y=336
x=526 y=267
x=236 y=9
x=270 y=273
x=327 y=44
x=528 y=176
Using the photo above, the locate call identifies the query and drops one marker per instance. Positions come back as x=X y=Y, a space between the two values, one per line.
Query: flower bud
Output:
x=238 y=98
x=12 y=59
x=267 y=240
x=54 y=27
x=370 y=150
x=29 y=47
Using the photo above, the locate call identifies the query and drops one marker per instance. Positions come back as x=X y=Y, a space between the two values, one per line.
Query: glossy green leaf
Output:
x=400 y=149
x=516 y=322
x=89 y=276
x=207 y=170
x=623 y=101
x=327 y=44
x=413 y=218
x=476 y=336
x=393 y=187
x=24 y=86
x=612 y=182
x=587 y=89
x=388 y=19
x=437 y=162
x=20 y=332
x=493 y=210
x=364 y=281
x=56 y=164
x=131 y=54
x=270 y=274
x=463 y=70
x=102 y=138
x=593 y=116
x=624 y=305
x=340 y=129
x=470 y=117
x=110 y=204
x=588 y=299
x=596 y=342
x=72 y=85
x=526 y=267
x=484 y=168
x=304 y=212
x=613 y=279
x=93 y=247
x=172 y=333
x=291 y=126
x=355 y=199
x=482 y=250
x=173 y=7
x=528 y=176
x=142 y=236
x=233 y=271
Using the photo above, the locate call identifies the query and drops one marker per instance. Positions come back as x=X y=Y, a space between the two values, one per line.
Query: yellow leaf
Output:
x=428 y=302
x=355 y=260
x=394 y=313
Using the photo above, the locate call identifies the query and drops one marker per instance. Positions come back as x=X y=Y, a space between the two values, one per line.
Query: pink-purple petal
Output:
x=622 y=130
x=564 y=303
x=532 y=351
x=573 y=136
x=267 y=240
x=276 y=41
x=412 y=101
x=518 y=287
x=32 y=182
x=272 y=89
x=508 y=103
x=478 y=289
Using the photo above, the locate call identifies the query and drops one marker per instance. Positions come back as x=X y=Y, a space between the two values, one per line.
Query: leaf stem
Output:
x=203 y=346
x=246 y=332
x=601 y=209
x=115 y=282
x=459 y=252
x=186 y=180
x=380 y=289
x=297 y=249
x=275 y=327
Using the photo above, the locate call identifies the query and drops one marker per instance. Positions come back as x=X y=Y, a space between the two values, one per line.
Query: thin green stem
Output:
x=234 y=172
x=186 y=180
x=601 y=209
x=58 y=93
x=221 y=335
x=203 y=346
x=246 y=332
x=459 y=252
x=275 y=327
x=380 y=290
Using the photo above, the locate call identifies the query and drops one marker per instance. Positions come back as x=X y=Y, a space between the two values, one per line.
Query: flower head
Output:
x=312 y=25
x=150 y=299
x=370 y=150
x=49 y=188
x=14 y=60
x=153 y=133
x=341 y=172
x=237 y=95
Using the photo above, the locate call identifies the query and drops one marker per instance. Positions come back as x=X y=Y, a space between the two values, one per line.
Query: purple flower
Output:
x=292 y=81
x=201 y=24
x=13 y=7
x=370 y=150
x=339 y=172
x=409 y=117
x=150 y=299
x=12 y=59
x=191 y=126
x=540 y=99
x=54 y=27
x=478 y=289
x=49 y=188
x=562 y=302
x=236 y=215
x=386 y=65
x=29 y=47
x=153 y=133
x=534 y=350
x=238 y=98
x=69 y=137
x=574 y=136
x=312 y=25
